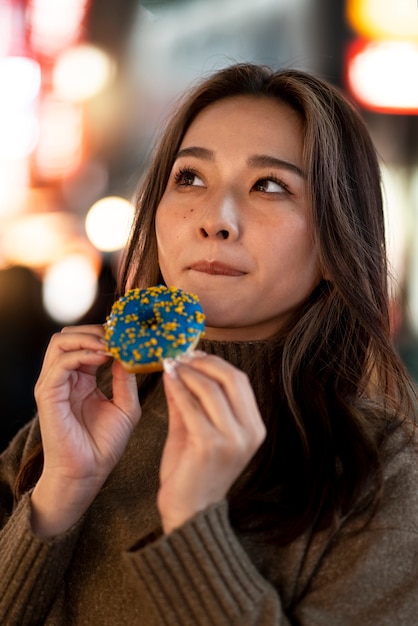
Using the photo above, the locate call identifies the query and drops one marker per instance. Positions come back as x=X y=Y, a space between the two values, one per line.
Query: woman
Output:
x=270 y=478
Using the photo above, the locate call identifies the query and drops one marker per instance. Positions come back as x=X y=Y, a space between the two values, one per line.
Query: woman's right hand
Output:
x=84 y=433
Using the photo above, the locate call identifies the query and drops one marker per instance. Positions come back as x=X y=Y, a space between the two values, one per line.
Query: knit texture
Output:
x=115 y=567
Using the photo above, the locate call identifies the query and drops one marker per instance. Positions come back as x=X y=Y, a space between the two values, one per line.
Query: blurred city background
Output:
x=85 y=86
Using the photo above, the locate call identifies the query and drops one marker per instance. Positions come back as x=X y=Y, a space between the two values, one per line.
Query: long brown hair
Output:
x=339 y=385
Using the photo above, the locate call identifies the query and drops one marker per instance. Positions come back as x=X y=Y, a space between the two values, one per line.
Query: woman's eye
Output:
x=269 y=185
x=188 y=178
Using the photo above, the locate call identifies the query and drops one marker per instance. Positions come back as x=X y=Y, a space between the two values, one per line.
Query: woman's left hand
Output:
x=214 y=430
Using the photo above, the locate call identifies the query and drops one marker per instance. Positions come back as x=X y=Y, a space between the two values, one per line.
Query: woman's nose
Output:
x=221 y=219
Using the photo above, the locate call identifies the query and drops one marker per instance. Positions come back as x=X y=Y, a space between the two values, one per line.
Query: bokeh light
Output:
x=37 y=239
x=19 y=132
x=60 y=148
x=108 y=223
x=81 y=72
x=54 y=25
x=20 y=80
x=14 y=181
x=379 y=19
x=69 y=288
x=380 y=75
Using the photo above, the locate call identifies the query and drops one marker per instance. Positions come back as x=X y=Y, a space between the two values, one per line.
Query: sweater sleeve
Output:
x=31 y=568
x=200 y=575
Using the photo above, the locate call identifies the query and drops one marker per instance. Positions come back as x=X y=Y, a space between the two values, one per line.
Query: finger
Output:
x=125 y=392
x=67 y=341
x=199 y=404
x=185 y=409
x=88 y=337
x=230 y=381
x=89 y=329
x=85 y=361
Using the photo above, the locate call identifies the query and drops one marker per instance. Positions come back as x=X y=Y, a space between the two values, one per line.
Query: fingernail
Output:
x=189 y=356
x=169 y=366
x=199 y=353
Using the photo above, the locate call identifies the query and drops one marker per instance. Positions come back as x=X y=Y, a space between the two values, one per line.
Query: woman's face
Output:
x=234 y=223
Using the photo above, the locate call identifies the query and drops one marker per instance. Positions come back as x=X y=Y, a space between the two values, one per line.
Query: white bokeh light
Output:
x=20 y=81
x=380 y=75
x=82 y=72
x=69 y=288
x=108 y=223
x=54 y=25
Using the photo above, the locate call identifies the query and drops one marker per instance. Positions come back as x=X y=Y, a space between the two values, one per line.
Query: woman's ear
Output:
x=324 y=273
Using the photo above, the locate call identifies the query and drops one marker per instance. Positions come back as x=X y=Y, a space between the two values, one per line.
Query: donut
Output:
x=146 y=326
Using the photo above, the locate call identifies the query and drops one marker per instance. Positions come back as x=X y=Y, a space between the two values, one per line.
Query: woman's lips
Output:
x=215 y=268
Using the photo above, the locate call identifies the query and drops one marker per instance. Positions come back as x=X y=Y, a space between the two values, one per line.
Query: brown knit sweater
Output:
x=115 y=568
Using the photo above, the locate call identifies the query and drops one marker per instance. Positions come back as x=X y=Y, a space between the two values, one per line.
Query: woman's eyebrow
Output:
x=196 y=151
x=265 y=160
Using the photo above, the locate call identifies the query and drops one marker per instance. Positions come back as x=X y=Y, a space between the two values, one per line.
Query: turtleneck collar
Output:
x=258 y=359
x=239 y=353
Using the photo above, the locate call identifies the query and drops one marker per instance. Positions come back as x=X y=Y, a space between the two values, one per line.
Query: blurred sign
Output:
x=381 y=62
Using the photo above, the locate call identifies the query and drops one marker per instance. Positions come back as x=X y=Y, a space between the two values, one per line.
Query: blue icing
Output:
x=147 y=325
